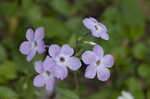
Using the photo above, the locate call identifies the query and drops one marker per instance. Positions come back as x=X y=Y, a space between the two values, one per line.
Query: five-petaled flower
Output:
x=47 y=73
x=63 y=58
x=97 y=29
x=34 y=44
x=97 y=63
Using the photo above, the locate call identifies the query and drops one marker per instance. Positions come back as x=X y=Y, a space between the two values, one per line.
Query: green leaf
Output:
x=143 y=70
x=61 y=6
x=148 y=94
x=104 y=94
x=53 y=27
x=8 y=70
x=11 y=6
x=135 y=88
x=67 y=94
x=2 y=53
x=7 y=93
x=130 y=9
x=140 y=51
x=74 y=24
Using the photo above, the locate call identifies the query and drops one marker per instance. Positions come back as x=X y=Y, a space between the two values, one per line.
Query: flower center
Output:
x=98 y=62
x=48 y=73
x=96 y=27
x=62 y=59
x=34 y=44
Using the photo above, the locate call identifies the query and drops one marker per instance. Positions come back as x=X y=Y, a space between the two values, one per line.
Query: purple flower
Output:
x=33 y=44
x=97 y=29
x=63 y=58
x=97 y=63
x=47 y=73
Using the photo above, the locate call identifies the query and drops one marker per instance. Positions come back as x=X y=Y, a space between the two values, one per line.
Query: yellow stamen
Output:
x=48 y=73
x=98 y=62
x=96 y=27
x=34 y=44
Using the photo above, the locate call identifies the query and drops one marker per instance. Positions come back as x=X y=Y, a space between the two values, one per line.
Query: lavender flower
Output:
x=34 y=44
x=97 y=63
x=47 y=73
x=63 y=58
x=98 y=30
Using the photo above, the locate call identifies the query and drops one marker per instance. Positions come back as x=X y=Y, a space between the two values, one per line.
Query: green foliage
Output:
x=62 y=19
x=7 y=93
x=135 y=88
x=143 y=70
x=8 y=71
x=2 y=53
x=62 y=6
x=53 y=27
x=140 y=51
x=67 y=94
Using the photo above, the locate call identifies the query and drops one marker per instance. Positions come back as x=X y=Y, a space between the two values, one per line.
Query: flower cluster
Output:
x=55 y=65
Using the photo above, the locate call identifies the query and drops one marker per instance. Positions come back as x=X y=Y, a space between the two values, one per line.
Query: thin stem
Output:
x=78 y=42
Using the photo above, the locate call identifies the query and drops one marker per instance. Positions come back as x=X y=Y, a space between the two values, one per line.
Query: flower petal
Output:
x=39 y=81
x=48 y=64
x=40 y=46
x=98 y=50
x=96 y=33
x=127 y=95
x=31 y=55
x=50 y=84
x=88 y=57
x=30 y=35
x=73 y=63
x=88 y=23
x=54 y=50
x=90 y=72
x=104 y=29
x=39 y=33
x=108 y=60
x=60 y=72
x=67 y=50
x=38 y=66
x=120 y=97
x=103 y=74
x=93 y=19
x=104 y=35
x=25 y=48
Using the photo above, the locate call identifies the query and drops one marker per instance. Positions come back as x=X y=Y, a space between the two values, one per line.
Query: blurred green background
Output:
x=128 y=23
